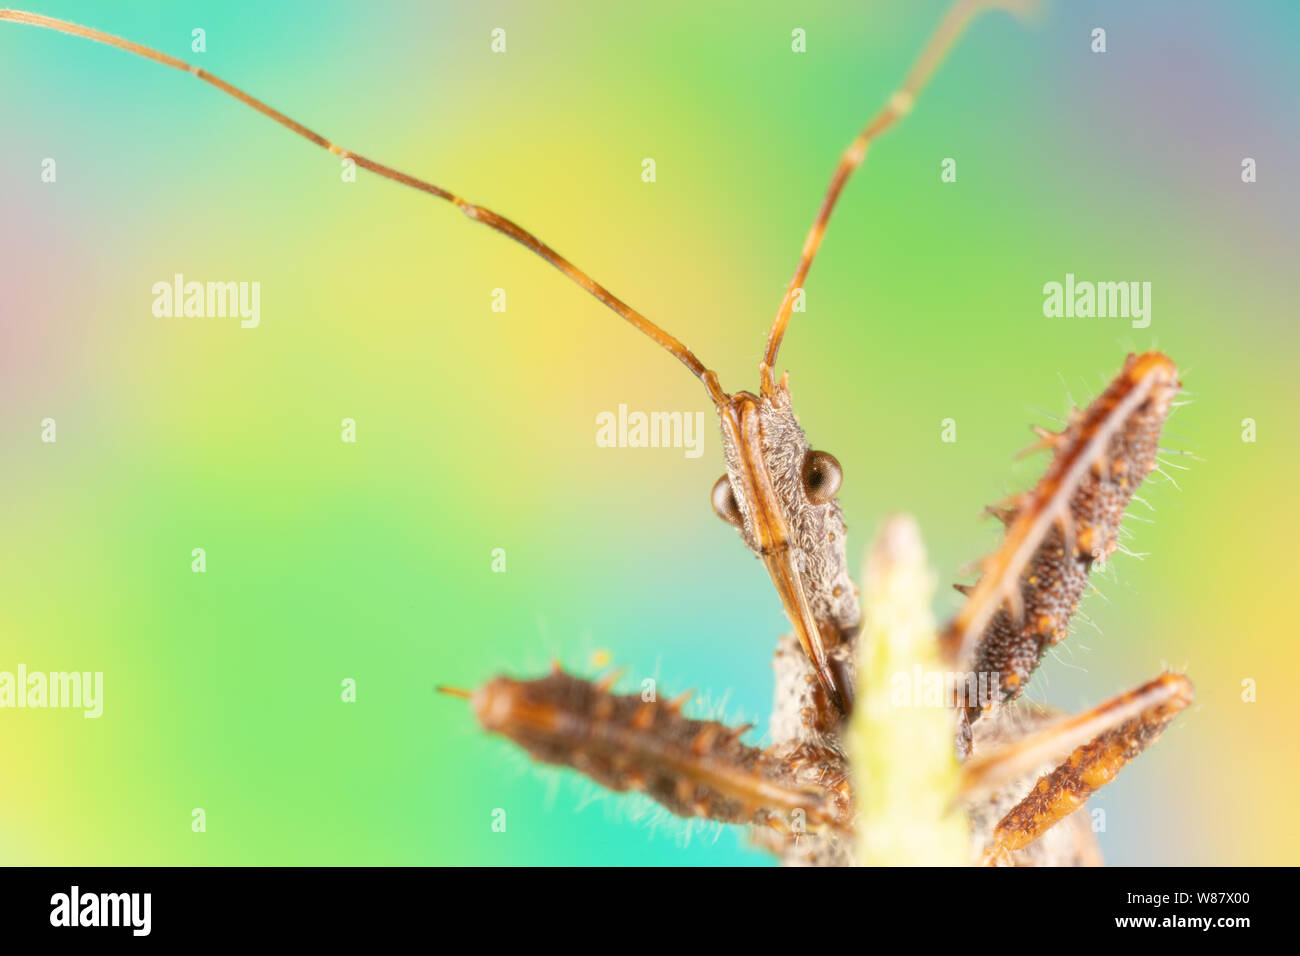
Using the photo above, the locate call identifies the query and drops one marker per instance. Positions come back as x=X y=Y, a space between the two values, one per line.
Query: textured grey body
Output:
x=796 y=700
x=1069 y=843
x=817 y=532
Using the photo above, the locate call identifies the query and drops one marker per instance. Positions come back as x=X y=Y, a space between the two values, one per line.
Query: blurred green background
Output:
x=372 y=560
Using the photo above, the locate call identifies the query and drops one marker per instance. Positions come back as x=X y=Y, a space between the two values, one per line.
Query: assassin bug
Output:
x=781 y=495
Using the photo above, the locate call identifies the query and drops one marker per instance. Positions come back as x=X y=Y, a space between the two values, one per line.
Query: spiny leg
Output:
x=1116 y=732
x=1031 y=586
x=694 y=768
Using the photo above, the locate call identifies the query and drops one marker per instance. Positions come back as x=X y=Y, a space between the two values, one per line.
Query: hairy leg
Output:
x=1031 y=586
x=694 y=768
x=1119 y=730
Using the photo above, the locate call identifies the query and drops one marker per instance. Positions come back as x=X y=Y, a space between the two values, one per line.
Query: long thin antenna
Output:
x=477 y=213
x=898 y=106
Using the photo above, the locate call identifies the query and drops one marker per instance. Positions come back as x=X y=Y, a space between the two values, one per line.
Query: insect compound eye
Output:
x=724 y=501
x=821 y=476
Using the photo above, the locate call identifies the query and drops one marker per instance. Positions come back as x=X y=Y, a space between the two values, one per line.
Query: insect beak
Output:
x=785 y=575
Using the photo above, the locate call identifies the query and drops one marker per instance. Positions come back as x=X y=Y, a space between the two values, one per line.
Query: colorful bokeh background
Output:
x=372 y=561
